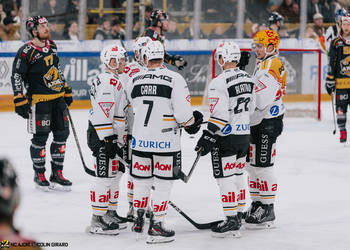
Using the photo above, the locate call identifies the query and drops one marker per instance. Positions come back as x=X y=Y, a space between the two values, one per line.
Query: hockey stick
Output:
x=165 y=130
x=87 y=170
x=335 y=126
x=185 y=178
x=195 y=224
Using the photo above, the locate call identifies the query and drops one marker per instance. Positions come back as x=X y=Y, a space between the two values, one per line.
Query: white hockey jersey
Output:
x=107 y=114
x=231 y=100
x=270 y=81
x=130 y=70
x=160 y=99
x=331 y=33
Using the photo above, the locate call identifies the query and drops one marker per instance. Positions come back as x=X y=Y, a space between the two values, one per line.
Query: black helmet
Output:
x=275 y=17
x=33 y=22
x=158 y=15
x=9 y=191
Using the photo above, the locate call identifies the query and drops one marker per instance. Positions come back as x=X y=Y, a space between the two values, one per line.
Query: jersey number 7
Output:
x=149 y=110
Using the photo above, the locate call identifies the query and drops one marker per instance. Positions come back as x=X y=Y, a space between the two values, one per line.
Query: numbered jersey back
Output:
x=160 y=99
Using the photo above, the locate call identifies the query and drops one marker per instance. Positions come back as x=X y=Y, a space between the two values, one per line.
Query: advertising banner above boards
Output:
x=81 y=63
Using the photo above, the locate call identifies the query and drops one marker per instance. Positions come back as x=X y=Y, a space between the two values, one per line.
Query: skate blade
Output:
x=159 y=239
x=122 y=226
x=264 y=225
x=42 y=188
x=59 y=187
x=229 y=234
x=97 y=230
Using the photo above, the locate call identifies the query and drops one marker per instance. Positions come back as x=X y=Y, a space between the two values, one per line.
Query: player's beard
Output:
x=45 y=36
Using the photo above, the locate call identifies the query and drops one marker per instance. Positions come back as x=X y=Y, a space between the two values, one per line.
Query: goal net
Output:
x=303 y=90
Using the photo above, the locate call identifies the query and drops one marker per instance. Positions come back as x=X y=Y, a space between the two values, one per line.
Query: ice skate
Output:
x=253 y=207
x=343 y=136
x=130 y=214
x=58 y=182
x=139 y=221
x=113 y=216
x=158 y=234
x=103 y=225
x=262 y=218
x=228 y=228
x=41 y=182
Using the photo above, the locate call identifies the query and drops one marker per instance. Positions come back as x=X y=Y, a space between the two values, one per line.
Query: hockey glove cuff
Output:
x=68 y=96
x=330 y=86
x=111 y=146
x=206 y=142
x=195 y=127
x=22 y=105
x=179 y=62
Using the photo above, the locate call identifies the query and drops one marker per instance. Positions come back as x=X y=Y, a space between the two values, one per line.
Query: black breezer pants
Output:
x=263 y=141
x=342 y=101
x=229 y=154
x=105 y=167
x=46 y=117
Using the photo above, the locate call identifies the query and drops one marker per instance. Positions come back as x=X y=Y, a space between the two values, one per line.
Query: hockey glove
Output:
x=111 y=147
x=68 y=96
x=244 y=61
x=206 y=142
x=195 y=127
x=22 y=106
x=330 y=86
x=179 y=62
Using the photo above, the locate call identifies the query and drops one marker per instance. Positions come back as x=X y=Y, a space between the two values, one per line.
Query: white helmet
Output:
x=112 y=51
x=229 y=51
x=138 y=45
x=153 y=50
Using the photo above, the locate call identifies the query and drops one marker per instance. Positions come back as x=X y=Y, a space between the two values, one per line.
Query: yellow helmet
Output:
x=267 y=37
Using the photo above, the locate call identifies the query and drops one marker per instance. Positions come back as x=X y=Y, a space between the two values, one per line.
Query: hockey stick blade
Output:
x=87 y=170
x=165 y=130
x=333 y=110
x=200 y=226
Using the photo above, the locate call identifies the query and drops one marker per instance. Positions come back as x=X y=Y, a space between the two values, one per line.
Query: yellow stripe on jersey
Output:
x=267 y=197
x=169 y=119
x=99 y=209
x=104 y=128
x=230 y=209
x=216 y=121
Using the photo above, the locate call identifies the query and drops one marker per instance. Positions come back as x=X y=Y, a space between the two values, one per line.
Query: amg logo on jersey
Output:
x=152 y=76
x=230 y=79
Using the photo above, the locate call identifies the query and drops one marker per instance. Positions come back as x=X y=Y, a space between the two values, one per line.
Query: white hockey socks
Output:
x=99 y=195
x=160 y=198
x=229 y=194
x=114 y=192
x=142 y=190
x=130 y=189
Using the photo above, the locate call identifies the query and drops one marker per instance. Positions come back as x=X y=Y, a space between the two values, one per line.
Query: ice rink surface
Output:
x=312 y=207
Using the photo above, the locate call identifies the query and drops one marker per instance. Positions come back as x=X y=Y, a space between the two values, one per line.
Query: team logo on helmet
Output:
x=267 y=37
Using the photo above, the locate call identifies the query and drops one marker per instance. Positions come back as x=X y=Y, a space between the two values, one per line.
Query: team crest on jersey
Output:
x=259 y=86
x=106 y=107
x=212 y=103
x=345 y=66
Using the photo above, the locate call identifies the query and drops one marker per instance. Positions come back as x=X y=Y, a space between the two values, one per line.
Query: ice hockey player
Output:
x=160 y=99
x=106 y=137
x=275 y=21
x=159 y=25
x=333 y=31
x=338 y=77
x=9 y=201
x=231 y=100
x=130 y=70
x=42 y=95
x=266 y=125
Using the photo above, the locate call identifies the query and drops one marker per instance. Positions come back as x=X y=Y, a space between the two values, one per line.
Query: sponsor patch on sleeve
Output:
x=212 y=103
x=106 y=107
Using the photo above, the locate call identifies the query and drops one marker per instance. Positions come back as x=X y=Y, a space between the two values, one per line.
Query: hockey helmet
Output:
x=112 y=51
x=153 y=50
x=229 y=51
x=138 y=44
x=158 y=15
x=345 y=18
x=339 y=14
x=9 y=191
x=33 y=22
x=267 y=37
x=275 y=17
